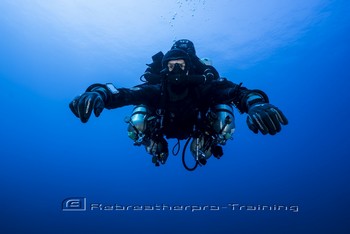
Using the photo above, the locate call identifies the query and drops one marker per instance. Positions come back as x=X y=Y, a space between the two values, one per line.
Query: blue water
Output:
x=296 y=51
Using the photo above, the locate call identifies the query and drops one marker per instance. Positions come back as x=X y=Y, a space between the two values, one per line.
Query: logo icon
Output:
x=74 y=204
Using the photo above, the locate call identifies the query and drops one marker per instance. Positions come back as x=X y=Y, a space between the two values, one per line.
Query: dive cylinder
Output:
x=224 y=123
x=137 y=123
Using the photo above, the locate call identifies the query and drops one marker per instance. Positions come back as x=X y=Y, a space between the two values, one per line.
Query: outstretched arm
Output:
x=262 y=116
x=100 y=96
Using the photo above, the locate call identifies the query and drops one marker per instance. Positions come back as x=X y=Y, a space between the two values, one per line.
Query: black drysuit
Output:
x=181 y=109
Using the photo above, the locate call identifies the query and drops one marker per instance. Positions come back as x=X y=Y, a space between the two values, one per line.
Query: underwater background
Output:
x=51 y=163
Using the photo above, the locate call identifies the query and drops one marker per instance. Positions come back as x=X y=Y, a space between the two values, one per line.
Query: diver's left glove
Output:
x=92 y=100
x=265 y=118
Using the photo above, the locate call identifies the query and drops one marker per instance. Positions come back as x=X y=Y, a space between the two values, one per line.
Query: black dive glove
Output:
x=92 y=100
x=265 y=118
x=83 y=105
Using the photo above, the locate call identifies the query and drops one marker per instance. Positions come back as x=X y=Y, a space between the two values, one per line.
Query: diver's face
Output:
x=180 y=62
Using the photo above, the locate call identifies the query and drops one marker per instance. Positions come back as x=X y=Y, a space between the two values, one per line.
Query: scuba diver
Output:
x=202 y=72
x=182 y=98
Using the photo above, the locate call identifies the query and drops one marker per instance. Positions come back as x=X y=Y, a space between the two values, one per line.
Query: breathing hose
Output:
x=183 y=157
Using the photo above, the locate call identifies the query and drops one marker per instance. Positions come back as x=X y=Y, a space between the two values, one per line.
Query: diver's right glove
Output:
x=83 y=105
x=93 y=99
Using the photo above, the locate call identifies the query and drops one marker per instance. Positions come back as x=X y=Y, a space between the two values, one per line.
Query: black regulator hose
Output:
x=183 y=157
